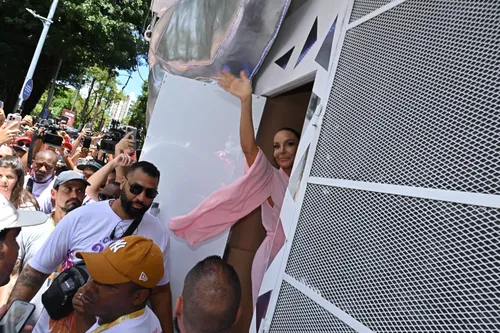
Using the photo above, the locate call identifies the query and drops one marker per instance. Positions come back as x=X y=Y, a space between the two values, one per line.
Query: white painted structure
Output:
x=194 y=141
x=393 y=206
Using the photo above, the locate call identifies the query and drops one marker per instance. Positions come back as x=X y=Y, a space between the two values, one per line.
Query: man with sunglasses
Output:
x=92 y=228
x=21 y=146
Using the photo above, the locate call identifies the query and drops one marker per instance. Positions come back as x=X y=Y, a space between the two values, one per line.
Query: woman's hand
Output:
x=241 y=88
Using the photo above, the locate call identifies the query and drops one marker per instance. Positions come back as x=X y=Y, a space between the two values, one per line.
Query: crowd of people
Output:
x=78 y=239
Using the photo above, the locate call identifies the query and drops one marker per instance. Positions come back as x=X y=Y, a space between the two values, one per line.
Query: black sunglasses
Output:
x=103 y=197
x=137 y=189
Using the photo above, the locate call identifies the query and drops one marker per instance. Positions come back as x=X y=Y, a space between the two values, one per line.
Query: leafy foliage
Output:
x=138 y=115
x=85 y=33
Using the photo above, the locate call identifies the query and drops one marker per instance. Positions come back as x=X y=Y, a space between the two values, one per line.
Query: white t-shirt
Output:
x=45 y=200
x=147 y=323
x=31 y=240
x=88 y=229
x=38 y=188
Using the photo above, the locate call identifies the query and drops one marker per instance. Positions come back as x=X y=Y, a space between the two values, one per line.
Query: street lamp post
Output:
x=46 y=25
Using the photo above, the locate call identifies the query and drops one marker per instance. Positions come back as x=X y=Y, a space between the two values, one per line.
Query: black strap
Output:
x=131 y=229
x=29 y=185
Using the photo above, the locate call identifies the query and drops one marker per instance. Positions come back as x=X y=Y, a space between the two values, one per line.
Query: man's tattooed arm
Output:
x=27 y=285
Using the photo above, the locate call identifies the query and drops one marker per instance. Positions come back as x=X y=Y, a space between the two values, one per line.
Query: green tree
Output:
x=138 y=114
x=84 y=33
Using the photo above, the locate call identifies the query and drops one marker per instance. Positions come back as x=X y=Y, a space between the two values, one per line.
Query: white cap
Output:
x=12 y=218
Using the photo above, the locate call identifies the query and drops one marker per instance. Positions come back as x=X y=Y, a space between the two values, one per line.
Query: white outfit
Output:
x=31 y=240
x=88 y=229
x=45 y=201
x=38 y=188
x=147 y=323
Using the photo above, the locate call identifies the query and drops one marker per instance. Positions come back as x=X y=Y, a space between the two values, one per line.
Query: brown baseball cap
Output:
x=130 y=259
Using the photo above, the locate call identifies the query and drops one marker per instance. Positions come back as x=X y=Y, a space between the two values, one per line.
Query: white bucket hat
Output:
x=12 y=218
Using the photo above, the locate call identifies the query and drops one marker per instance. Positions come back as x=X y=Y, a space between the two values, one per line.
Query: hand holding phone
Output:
x=14 y=118
x=16 y=317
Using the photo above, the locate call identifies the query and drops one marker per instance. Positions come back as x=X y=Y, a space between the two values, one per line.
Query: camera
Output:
x=50 y=136
x=111 y=138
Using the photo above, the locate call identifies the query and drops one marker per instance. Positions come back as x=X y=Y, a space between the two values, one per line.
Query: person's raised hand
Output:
x=8 y=132
x=122 y=160
x=26 y=122
x=3 y=310
x=239 y=87
x=125 y=144
x=84 y=132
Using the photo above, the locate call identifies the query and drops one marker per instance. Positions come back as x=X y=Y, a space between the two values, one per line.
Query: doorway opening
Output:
x=284 y=110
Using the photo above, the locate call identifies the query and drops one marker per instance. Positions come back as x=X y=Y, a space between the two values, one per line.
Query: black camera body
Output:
x=50 y=136
x=110 y=139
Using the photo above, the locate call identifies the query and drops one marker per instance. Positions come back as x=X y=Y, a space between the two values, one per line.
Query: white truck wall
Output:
x=193 y=139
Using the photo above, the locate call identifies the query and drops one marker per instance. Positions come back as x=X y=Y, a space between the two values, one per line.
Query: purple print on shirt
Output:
x=69 y=262
x=99 y=247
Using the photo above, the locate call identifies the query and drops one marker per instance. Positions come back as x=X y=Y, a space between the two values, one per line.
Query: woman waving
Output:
x=262 y=185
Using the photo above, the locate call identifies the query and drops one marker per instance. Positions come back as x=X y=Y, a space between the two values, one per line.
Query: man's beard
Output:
x=128 y=209
x=71 y=205
x=41 y=178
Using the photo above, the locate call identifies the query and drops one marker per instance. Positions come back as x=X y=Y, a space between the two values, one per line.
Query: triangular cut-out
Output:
x=283 y=61
x=325 y=51
x=310 y=41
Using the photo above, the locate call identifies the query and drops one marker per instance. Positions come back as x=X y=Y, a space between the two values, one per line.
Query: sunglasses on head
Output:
x=103 y=197
x=137 y=189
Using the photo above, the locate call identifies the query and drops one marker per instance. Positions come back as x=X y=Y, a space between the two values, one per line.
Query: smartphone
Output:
x=17 y=316
x=87 y=140
x=14 y=118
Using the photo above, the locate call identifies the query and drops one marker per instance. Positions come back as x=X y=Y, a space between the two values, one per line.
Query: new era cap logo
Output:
x=143 y=277
x=119 y=244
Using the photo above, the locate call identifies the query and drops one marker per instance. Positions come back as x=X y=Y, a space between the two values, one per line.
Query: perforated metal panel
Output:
x=365 y=7
x=400 y=264
x=415 y=102
x=297 y=313
x=416 y=99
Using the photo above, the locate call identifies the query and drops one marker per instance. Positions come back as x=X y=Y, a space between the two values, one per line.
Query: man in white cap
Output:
x=11 y=222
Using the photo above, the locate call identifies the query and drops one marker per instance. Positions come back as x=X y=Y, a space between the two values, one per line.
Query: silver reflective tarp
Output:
x=199 y=38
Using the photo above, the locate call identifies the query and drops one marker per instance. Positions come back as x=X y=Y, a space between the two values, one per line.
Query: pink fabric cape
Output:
x=223 y=208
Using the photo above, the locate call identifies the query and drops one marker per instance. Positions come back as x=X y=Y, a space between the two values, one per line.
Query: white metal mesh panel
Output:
x=416 y=99
x=400 y=264
x=295 y=312
x=364 y=7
